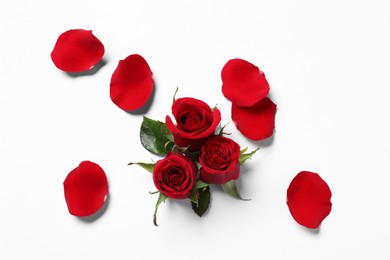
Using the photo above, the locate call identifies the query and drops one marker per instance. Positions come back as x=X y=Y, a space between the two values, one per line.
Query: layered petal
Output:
x=256 y=122
x=131 y=83
x=308 y=199
x=195 y=122
x=243 y=83
x=85 y=189
x=77 y=50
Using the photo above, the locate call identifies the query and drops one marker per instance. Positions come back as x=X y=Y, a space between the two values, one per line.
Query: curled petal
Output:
x=85 y=189
x=308 y=199
x=243 y=83
x=256 y=122
x=77 y=50
x=131 y=83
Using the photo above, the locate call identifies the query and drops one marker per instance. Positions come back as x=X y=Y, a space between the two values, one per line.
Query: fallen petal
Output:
x=131 y=83
x=308 y=199
x=256 y=122
x=77 y=50
x=85 y=189
x=243 y=83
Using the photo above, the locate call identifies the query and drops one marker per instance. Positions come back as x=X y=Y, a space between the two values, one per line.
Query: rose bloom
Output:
x=219 y=159
x=195 y=122
x=175 y=175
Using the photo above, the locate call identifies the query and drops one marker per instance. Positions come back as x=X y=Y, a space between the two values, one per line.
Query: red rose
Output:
x=219 y=158
x=195 y=122
x=175 y=175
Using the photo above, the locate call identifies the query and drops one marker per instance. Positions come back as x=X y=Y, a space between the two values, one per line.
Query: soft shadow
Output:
x=267 y=142
x=311 y=231
x=145 y=108
x=263 y=143
x=98 y=214
x=90 y=72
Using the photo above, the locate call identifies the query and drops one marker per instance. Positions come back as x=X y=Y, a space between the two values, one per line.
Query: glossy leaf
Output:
x=154 y=136
x=203 y=204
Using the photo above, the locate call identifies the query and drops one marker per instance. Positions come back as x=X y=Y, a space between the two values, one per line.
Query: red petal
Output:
x=77 y=50
x=243 y=83
x=85 y=189
x=308 y=199
x=256 y=122
x=131 y=83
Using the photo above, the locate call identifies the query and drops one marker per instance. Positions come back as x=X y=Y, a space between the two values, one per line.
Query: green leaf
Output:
x=162 y=198
x=154 y=136
x=200 y=184
x=147 y=166
x=194 y=196
x=245 y=156
x=231 y=189
x=203 y=201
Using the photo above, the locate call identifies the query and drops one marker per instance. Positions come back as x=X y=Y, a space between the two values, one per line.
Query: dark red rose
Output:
x=131 y=83
x=175 y=175
x=243 y=83
x=77 y=50
x=85 y=189
x=219 y=160
x=195 y=122
x=308 y=199
x=256 y=122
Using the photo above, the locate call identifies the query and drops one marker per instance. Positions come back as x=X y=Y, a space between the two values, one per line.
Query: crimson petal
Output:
x=256 y=122
x=308 y=199
x=85 y=189
x=77 y=50
x=131 y=83
x=243 y=83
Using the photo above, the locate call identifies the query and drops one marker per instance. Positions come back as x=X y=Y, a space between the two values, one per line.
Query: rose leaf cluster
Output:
x=195 y=155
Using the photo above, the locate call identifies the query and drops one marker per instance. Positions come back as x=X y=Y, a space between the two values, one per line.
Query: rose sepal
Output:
x=245 y=156
x=161 y=198
x=147 y=166
x=231 y=189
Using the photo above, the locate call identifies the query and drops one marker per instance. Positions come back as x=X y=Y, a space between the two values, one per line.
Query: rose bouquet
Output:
x=196 y=154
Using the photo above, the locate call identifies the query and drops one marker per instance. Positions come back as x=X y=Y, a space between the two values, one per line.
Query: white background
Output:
x=327 y=63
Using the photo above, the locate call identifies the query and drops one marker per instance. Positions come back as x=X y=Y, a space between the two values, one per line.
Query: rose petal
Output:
x=131 y=83
x=195 y=122
x=243 y=83
x=256 y=122
x=85 y=189
x=77 y=50
x=308 y=199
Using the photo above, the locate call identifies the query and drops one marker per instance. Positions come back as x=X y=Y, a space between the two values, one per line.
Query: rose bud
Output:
x=175 y=175
x=195 y=122
x=219 y=159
